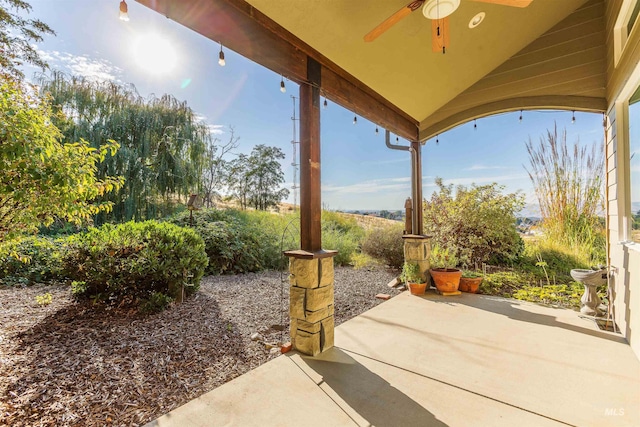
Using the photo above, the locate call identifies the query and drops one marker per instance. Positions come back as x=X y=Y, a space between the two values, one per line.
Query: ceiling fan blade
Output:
x=440 y=34
x=513 y=3
x=392 y=20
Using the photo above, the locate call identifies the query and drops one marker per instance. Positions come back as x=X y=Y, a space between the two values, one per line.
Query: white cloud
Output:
x=216 y=129
x=82 y=65
x=483 y=167
x=371 y=186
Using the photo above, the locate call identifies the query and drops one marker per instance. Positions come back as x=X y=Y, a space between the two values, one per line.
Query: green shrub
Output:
x=132 y=261
x=343 y=234
x=346 y=243
x=29 y=260
x=385 y=244
x=156 y=303
x=477 y=224
x=240 y=242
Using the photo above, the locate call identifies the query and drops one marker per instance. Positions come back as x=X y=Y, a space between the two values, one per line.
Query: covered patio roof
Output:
x=550 y=54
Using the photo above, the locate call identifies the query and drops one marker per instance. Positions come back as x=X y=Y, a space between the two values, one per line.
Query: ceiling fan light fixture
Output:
x=438 y=9
x=476 y=20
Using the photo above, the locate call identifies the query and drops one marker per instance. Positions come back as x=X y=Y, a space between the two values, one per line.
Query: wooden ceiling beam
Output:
x=242 y=28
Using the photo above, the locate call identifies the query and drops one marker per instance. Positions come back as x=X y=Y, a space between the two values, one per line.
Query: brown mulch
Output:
x=76 y=364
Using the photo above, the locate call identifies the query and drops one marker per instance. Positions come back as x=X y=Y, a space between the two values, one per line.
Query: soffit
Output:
x=400 y=65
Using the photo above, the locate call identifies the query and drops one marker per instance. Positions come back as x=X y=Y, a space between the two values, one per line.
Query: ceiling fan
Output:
x=438 y=11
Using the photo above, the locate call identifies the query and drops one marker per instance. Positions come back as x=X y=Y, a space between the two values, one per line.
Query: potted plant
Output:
x=470 y=281
x=412 y=276
x=445 y=276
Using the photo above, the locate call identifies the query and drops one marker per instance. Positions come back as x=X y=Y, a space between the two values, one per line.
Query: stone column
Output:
x=311 y=300
x=417 y=248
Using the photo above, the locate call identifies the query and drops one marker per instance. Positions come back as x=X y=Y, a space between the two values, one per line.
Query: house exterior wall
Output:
x=623 y=76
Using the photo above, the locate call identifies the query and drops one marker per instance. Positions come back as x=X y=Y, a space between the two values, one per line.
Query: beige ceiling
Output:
x=400 y=64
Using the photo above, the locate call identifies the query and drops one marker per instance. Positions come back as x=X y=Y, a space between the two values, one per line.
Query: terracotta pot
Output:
x=470 y=284
x=417 y=288
x=446 y=279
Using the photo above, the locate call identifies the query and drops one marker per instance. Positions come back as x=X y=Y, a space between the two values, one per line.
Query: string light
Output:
x=355 y=120
x=221 y=60
x=475 y=125
x=437 y=139
x=124 y=11
x=397 y=139
x=377 y=131
x=283 y=89
x=324 y=105
x=573 y=117
x=520 y=118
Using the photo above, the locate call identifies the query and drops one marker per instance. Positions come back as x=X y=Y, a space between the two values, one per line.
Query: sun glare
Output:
x=154 y=54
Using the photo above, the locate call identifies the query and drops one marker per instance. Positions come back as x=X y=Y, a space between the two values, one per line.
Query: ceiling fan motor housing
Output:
x=438 y=9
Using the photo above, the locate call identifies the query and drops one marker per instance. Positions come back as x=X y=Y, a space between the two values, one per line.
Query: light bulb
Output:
x=573 y=117
x=520 y=118
x=283 y=89
x=221 y=60
x=325 y=104
x=124 y=11
x=355 y=120
x=377 y=130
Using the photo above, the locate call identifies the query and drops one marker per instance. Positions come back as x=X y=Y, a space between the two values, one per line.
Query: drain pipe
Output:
x=416 y=181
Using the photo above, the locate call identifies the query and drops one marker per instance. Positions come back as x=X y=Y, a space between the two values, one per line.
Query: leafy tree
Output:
x=164 y=144
x=216 y=167
x=255 y=180
x=475 y=225
x=17 y=35
x=41 y=177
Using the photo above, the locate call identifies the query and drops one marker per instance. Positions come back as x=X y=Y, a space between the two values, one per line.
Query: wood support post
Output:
x=310 y=200
x=416 y=188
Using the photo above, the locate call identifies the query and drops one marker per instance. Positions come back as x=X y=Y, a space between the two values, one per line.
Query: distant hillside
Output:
x=369 y=221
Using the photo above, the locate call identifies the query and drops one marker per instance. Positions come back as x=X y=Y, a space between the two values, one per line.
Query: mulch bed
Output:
x=76 y=364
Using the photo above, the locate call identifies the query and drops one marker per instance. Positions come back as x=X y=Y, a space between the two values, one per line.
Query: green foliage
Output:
x=558 y=295
x=505 y=283
x=569 y=185
x=30 y=260
x=156 y=303
x=43 y=179
x=239 y=241
x=471 y=274
x=130 y=262
x=411 y=273
x=163 y=143
x=346 y=243
x=78 y=288
x=558 y=261
x=443 y=258
x=361 y=260
x=385 y=244
x=18 y=38
x=44 y=299
x=341 y=233
x=255 y=180
x=476 y=225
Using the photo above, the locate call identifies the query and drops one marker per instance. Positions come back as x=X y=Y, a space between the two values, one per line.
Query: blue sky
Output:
x=358 y=170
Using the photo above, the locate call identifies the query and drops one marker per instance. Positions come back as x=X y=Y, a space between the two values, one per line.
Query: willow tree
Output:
x=163 y=143
x=43 y=178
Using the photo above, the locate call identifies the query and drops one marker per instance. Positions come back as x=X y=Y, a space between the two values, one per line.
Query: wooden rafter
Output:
x=244 y=29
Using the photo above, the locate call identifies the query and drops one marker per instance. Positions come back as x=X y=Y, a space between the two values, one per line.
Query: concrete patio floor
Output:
x=467 y=360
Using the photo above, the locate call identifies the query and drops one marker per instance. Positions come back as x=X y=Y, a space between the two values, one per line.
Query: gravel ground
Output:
x=71 y=364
